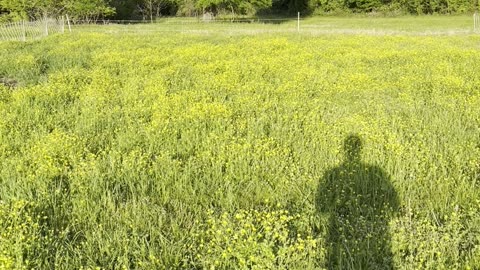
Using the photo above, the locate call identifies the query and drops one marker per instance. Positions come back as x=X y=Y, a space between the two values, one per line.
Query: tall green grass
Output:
x=187 y=151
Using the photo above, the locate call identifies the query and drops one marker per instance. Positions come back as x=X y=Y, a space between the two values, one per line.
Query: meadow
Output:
x=240 y=150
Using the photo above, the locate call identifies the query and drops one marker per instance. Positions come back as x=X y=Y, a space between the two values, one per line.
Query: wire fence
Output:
x=190 y=21
x=195 y=25
x=33 y=30
x=26 y=30
x=244 y=25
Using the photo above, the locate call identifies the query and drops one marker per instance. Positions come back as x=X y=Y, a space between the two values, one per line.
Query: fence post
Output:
x=24 y=32
x=298 y=22
x=475 y=14
x=68 y=22
x=46 y=26
x=476 y=21
x=62 y=28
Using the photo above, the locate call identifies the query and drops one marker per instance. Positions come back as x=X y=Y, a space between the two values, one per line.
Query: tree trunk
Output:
x=151 y=10
x=159 y=8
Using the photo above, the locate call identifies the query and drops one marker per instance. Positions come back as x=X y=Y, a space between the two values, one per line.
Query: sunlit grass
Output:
x=147 y=151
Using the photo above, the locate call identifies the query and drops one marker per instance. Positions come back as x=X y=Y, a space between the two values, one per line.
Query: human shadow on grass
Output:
x=359 y=201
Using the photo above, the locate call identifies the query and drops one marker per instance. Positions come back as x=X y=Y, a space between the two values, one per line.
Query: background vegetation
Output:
x=150 y=9
x=140 y=151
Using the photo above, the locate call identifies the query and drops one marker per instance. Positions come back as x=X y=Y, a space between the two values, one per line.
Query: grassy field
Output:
x=121 y=148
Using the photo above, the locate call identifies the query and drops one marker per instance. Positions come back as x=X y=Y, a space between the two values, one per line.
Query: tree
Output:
x=126 y=9
x=21 y=9
x=235 y=6
x=187 y=7
x=35 y=9
x=153 y=8
x=88 y=10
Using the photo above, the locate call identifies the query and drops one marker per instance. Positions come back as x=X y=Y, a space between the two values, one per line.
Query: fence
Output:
x=23 y=31
x=196 y=25
x=476 y=22
x=190 y=21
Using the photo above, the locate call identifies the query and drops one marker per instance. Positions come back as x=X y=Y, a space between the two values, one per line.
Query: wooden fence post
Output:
x=24 y=32
x=46 y=26
x=68 y=22
x=476 y=21
x=298 y=22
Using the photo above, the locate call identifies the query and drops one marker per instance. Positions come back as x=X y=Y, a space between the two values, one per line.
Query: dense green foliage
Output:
x=77 y=9
x=150 y=9
x=195 y=151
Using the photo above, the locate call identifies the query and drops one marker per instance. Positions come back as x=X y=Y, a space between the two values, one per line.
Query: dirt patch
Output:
x=10 y=83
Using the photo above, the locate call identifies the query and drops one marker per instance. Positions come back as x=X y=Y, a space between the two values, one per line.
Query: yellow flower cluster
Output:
x=251 y=239
x=19 y=234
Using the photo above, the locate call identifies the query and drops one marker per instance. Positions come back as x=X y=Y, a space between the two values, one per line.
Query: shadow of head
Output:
x=352 y=147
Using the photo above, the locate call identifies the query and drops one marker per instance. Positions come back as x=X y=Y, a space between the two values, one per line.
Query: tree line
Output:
x=93 y=10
